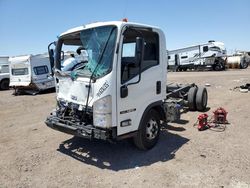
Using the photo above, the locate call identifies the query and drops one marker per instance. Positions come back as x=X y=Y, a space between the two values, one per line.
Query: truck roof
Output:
x=97 y=24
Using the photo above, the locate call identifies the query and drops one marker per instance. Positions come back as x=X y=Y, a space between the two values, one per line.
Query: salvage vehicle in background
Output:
x=208 y=55
x=121 y=90
x=4 y=73
x=31 y=73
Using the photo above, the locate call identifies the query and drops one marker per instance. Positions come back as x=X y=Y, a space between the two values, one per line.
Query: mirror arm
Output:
x=51 y=57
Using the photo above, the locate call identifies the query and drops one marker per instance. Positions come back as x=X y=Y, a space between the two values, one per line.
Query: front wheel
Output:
x=4 y=84
x=149 y=131
x=217 y=67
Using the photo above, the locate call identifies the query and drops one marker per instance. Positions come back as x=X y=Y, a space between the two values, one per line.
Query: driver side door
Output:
x=143 y=83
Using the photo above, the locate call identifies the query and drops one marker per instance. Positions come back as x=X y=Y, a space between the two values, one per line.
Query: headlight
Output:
x=102 y=112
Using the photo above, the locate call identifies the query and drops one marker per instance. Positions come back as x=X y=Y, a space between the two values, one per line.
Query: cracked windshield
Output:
x=89 y=52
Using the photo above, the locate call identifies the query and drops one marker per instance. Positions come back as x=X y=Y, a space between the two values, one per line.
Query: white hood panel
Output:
x=74 y=91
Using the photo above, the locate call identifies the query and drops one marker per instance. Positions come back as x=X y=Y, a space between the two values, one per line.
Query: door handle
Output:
x=158 y=87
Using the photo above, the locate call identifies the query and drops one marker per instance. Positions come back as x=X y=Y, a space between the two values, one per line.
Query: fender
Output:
x=156 y=106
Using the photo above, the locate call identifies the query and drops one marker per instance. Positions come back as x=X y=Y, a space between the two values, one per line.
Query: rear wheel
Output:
x=243 y=64
x=191 y=98
x=149 y=130
x=184 y=69
x=176 y=69
x=217 y=67
x=4 y=85
x=201 y=99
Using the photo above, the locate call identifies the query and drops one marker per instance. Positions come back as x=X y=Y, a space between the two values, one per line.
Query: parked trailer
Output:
x=4 y=73
x=121 y=91
x=31 y=73
x=208 y=55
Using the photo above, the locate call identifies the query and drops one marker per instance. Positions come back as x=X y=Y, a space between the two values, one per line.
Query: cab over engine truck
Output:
x=121 y=90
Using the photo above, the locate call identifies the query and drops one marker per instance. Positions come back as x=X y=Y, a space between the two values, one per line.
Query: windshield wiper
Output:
x=98 y=63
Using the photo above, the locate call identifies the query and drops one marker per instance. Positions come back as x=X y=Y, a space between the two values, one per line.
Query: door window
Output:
x=151 y=52
x=128 y=49
x=41 y=70
x=20 y=71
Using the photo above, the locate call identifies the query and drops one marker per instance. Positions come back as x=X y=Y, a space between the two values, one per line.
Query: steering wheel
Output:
x=78 y=65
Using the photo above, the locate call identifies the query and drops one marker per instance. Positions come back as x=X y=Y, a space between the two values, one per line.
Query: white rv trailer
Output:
x=210 y=55
x=121 y=90
x=4 y=73
x=31 y=73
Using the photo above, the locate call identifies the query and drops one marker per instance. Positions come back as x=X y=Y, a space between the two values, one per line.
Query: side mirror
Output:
x=139 y=51
x=51 y=55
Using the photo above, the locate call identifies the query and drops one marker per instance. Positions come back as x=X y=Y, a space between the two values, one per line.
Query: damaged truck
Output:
x=120 y=90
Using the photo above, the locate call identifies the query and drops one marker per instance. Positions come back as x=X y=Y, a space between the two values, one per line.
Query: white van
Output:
x=31 y=73
x=4 y=73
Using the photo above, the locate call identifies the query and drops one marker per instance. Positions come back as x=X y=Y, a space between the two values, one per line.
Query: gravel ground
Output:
x=33 y=155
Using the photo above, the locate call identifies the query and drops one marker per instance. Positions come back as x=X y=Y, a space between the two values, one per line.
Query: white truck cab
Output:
x=120 y=91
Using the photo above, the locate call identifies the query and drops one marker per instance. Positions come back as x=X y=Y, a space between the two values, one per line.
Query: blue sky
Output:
x=28 y=26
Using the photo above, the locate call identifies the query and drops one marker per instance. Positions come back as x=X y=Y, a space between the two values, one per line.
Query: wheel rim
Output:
x=152 y=129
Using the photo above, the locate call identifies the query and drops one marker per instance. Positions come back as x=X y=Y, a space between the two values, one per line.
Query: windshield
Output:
x=88 y=52
x=20 y=71
x=215 y=48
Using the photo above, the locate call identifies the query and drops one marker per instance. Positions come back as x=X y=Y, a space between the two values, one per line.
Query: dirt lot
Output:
x=33 y=155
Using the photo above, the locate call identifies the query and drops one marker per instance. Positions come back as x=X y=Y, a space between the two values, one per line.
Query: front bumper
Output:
x=85 y=131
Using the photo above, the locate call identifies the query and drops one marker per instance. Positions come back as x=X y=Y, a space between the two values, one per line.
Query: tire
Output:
x=148 y=132
x=184 y=69
x=4 y=85
x=217 y=67
x=176 y=69
x=243 y=65
x=201 y=99
x=191 y=98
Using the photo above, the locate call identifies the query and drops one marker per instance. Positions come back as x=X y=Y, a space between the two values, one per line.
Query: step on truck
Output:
x=120 y=90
